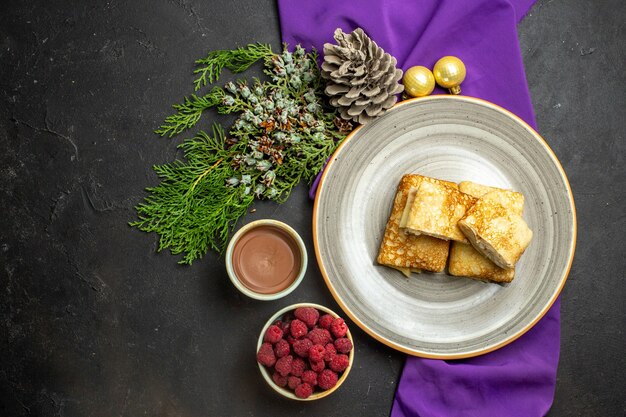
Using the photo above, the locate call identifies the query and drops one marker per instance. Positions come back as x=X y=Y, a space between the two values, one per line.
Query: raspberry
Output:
x=308 y=315
x=298 y=366
x=293 y=382
x=310 y=377
x=301 y=347
x=290 y=339
x=304 y=390
x=265 y=355
x=298 y=328
x=280 y=324
x=327 y=379
x=279 y=380
x=316 y=353
x=273 y=334
x=320 y=336
x=282 y=348
x=339 y=327
x=330 y=353
x=339 y=363
x=283 y=365
x=317 y=366
x=343 y=345
x=325 y=321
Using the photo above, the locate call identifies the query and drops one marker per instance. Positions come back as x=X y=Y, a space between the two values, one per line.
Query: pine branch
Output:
x=189 y=112
x=284 y=134
x=236 y=60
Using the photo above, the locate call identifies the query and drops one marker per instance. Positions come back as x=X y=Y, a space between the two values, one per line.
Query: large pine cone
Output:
x=362 y=77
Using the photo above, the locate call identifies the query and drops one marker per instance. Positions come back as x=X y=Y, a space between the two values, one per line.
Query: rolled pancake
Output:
x=496 y=232
x=400 y=250
x=435 y=211
x=466 y=261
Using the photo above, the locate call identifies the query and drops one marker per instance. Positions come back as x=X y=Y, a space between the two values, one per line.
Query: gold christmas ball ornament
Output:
x=449 y=73
x=418 y=81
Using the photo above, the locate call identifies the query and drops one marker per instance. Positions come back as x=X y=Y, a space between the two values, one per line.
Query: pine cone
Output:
x=362 y=77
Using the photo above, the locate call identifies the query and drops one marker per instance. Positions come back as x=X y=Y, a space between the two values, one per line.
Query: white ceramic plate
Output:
x=452 y=138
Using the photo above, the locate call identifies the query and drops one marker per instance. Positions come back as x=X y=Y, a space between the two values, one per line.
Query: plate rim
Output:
x=510 y=338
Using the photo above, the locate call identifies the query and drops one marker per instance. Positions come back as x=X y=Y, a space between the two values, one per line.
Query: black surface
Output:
x=94 y=323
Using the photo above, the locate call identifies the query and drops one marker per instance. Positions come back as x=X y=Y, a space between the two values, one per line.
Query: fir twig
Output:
x=189 y=112
x=190 y=209
x=236 y=60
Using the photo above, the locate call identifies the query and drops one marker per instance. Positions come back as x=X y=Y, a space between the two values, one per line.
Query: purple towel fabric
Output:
x=518 y=379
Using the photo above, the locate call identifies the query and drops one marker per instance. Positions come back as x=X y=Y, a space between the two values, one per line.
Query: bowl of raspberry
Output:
x=305 y=351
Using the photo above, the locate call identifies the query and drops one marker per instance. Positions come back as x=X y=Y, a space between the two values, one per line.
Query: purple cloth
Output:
x=518 y=379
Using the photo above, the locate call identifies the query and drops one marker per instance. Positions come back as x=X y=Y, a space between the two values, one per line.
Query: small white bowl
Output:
x=288 y=393
x=231 y=271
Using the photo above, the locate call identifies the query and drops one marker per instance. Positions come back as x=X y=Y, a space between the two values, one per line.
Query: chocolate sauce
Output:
x=266 y=259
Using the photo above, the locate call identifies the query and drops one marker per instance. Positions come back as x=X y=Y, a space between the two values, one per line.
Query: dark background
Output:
x=94 y=323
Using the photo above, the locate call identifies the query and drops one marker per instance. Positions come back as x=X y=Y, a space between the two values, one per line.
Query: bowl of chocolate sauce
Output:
x=266 y=259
